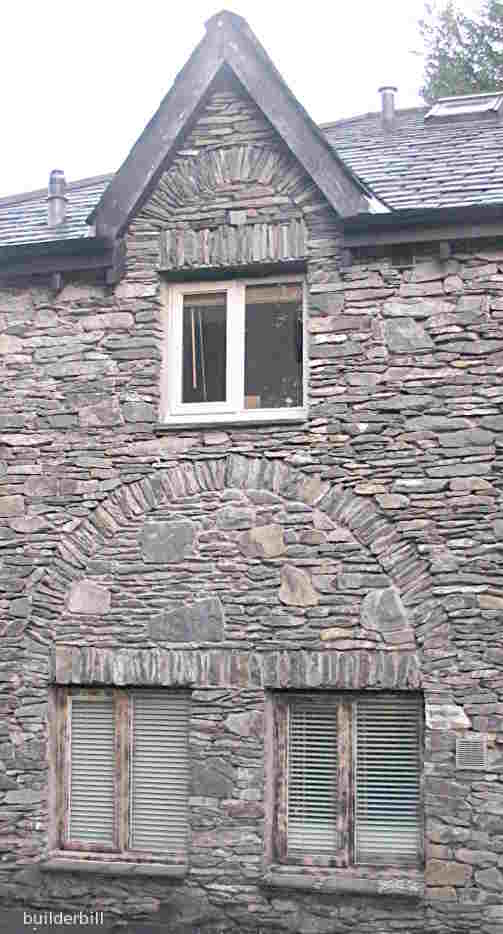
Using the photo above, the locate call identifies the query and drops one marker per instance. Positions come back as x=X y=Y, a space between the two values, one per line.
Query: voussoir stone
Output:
x=265 y=541
x=167 y=541
x=202 y=621
x=296 y=588
x=88 y=598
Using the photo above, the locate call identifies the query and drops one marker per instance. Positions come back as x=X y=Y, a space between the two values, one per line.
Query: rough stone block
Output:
x=266 y=541
x=105 y=414
x=445 y=872
x=167 y=541
x=213 y=779
x=404 y=335
x=296 y=588
x=383 y=611
x=11 y=506
x=202 y=621
x=88 y=598
x=446 y=717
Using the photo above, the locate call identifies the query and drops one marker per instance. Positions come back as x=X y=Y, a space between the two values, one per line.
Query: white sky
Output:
x=81 y=78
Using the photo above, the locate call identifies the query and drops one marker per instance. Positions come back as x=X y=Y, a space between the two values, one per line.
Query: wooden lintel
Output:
x=417 y=234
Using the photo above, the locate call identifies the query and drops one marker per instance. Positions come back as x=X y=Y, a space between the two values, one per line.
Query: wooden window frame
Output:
x=178 y=413
x=344 y=856
x=60 y=842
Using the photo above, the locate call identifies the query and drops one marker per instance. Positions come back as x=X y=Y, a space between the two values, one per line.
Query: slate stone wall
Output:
x=360 y=549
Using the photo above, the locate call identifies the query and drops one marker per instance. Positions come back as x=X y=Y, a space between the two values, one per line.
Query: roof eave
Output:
x=421 y=224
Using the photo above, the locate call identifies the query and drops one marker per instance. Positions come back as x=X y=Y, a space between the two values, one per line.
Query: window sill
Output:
x=266 y=417
x=362 y=880
x=65 y=863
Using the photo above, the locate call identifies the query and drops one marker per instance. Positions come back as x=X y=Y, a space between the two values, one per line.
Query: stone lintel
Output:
x=378 y=882
x=225 y=667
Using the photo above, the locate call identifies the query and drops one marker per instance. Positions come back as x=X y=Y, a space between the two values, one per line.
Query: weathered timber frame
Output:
x=344 y=855
x=60 y=843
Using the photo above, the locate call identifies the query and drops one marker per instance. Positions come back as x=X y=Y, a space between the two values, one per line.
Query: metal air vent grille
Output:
x=471 y=753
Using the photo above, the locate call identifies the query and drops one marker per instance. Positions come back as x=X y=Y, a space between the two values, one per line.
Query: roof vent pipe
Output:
x=387 y=93
x=56 y=200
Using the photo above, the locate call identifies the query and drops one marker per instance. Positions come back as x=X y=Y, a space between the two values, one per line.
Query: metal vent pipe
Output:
x=387 y=92
x=56 y=199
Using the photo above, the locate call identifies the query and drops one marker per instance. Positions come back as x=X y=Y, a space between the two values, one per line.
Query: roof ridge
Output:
x=370 y=113
x=70 y=186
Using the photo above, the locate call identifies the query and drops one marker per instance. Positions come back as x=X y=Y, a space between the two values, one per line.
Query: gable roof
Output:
x=228 y=42
x=424 y=164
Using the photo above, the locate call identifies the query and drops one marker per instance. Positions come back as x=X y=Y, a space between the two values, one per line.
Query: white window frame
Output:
x=178 y=413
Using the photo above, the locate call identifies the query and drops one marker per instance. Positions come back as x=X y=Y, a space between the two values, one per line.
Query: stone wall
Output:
x=359 y=549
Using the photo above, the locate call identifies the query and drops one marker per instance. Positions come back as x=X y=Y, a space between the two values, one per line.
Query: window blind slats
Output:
x=159 y=772
x=92 y=797
x=312 y=778
x=387 y=780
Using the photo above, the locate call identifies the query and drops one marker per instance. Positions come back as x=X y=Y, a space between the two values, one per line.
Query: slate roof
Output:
x=23 y=218
x=416 y=164
x=424 y=164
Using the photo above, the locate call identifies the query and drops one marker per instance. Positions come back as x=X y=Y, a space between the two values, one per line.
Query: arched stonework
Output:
x=398 y=595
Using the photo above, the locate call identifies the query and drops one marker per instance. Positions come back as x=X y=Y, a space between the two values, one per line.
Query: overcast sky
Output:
x=81 y=78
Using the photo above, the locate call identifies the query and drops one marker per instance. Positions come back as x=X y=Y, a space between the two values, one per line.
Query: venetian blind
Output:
x=159 y=771
x=387 y=780
x=312 y=778
x=92 y=796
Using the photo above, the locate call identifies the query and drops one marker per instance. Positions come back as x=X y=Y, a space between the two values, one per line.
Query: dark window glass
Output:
x=204 y=347
x=273 y=346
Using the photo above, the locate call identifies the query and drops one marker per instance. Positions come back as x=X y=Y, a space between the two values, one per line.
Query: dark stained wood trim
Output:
x=418 y=234
x=305 y=140
x=344 y=782
x=216 y=273
x=228 y=41
x=49 y=264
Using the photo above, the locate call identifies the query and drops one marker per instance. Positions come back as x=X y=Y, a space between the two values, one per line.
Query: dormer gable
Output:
x=229 y=45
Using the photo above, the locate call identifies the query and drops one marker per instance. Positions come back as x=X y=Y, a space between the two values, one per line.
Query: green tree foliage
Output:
x=463 y=53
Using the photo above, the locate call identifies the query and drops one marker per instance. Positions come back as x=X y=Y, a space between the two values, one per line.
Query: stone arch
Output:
x=411 y=583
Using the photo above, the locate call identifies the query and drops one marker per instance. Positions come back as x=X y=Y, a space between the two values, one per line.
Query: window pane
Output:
x=159 y=772
x=387 y=780
x=204 y=347
x=312 y=778
x=273 y=346
x=92 y=771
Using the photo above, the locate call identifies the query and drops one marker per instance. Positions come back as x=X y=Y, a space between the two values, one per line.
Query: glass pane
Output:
x=204 y=347
x=273 y=346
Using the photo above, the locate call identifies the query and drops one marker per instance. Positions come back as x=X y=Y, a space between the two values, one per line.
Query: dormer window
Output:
x=468 y=105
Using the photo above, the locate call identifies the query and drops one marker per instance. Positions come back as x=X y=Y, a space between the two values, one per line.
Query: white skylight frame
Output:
x=466 y=104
